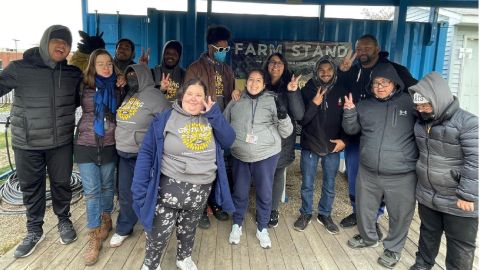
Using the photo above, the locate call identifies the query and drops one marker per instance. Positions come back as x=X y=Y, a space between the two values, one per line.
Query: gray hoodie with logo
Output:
x=137 y=111
x=257 y=117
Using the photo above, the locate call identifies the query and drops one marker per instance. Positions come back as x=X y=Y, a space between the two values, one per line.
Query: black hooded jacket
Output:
x=43 y=112
x=322 y=123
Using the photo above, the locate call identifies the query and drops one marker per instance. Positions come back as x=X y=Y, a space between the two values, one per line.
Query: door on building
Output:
x=469 y=76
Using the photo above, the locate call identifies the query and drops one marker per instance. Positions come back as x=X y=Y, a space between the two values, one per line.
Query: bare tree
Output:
x=385 y=13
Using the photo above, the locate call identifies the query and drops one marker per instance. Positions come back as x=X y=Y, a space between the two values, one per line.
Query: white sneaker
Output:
x=264 y=239
x=186 y=264
x=144 y=267
x=235 y=234
x=117 y=240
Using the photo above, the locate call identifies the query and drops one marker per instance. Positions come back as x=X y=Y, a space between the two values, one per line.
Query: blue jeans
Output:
x=97 y=184
x=308 y=166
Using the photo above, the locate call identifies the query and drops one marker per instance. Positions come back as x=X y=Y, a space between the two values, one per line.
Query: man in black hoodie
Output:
x=124 y=53
x=356 y=79
x=43 y=121
x=169 y=76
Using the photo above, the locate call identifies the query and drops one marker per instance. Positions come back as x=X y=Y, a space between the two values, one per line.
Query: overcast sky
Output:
x=26 y=20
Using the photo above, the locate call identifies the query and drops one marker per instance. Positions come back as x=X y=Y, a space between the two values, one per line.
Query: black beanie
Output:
x=62 y=34
x=216 y=33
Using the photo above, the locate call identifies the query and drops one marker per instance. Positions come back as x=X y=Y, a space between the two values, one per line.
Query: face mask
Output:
x=220 y=56
x=132 y=83
x=427 y=116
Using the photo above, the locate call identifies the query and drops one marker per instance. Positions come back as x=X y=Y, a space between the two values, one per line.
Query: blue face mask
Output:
x=220 y=56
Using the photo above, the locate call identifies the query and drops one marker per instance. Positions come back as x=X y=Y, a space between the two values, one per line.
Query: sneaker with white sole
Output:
x=117 y=240
x=28 y=244
x=186 y=264
x=144 y=267
x=235 y=234
x=264 y=238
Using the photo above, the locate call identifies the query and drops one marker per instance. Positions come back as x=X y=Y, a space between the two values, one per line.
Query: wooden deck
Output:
x=312 y=249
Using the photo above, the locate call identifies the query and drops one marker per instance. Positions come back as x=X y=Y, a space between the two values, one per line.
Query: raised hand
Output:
x=121 y=80
x=236 y=94
x=208 y=104
x=318 y=98
x=339 y=145
x=144 y=57
x=293 y=84
x=347 y=61
x=165 y=82
x=348 y=104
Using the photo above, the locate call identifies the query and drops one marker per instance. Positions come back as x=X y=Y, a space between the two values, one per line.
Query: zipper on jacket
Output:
x=54 y=107
x=383 y=133
x=394 y=122
x=428 y=128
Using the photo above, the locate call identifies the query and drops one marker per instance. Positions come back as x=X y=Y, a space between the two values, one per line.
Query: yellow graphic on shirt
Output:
x=218 y=84
x=171 y=92
x=196 y=136
x=129 y=108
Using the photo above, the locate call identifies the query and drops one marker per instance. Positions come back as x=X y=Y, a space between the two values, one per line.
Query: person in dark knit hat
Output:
x=169 y=76
x=43 y=121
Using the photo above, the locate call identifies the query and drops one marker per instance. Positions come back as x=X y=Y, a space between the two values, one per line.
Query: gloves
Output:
x=90 y=43
x=281 y=109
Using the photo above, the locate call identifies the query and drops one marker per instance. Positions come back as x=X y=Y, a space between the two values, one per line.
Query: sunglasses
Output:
x=221 y=49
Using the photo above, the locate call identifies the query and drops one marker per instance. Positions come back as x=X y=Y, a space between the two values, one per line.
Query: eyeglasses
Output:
x=275 y=63
x=221 y=49
x=382 y=84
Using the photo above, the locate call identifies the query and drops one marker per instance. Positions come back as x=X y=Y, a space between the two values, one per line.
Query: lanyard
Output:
x=254 y=109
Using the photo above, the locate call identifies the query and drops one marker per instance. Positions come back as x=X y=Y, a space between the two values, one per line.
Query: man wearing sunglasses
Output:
x=212 y=70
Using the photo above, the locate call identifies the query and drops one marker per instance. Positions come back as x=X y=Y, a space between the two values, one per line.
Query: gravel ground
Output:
x=13 y=226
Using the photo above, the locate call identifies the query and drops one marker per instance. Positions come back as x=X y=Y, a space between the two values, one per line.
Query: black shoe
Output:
x=418 y=266
x=302 y=222
x=389 y=258
x=28 y=245
x=349 y=221
x=204 y=222
x=328 y=223
x=67 y=232
x=357 y=242
x=273 y=223
x=379 y=231
x=219 y=213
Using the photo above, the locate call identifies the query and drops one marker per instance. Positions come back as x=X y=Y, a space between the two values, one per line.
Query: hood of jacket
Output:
x=144 y=76
x=435 y=89
x=316 y=79
x=43 y=47
x=177 y=46
x=387 y=71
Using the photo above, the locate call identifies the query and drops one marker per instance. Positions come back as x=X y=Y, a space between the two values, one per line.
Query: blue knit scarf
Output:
x=105 y=97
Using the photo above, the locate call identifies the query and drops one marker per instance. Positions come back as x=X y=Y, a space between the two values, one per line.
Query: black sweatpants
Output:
x=179 y=204
x=460 y=232
x=31 y=167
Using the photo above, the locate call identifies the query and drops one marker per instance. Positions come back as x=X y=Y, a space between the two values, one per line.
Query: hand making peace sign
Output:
x=347 y=61
x=293 y=84
x=318 y=98
x=348 y=105
x=208 y=104
x=144 y=57
x=165 y=82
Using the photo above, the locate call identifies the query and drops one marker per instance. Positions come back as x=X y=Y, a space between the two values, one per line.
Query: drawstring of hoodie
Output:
x=60 y=77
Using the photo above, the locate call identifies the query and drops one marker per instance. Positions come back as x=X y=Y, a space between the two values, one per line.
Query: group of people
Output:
x=185 y=141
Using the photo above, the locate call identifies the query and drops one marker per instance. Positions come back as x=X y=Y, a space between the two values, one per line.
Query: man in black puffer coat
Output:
x=43 y=121
x=447 y=189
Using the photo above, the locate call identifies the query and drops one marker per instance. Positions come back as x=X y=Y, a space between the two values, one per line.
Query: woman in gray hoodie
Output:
x=260 y=121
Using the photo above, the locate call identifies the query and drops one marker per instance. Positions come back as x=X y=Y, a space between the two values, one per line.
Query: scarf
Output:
x=105 y=97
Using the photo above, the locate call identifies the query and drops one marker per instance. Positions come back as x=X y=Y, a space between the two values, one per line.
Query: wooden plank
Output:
x=274 y=255
x=240 y=259
x=319 y=248
x=51 y=236
x=305 y=252
x=135 y=260
x=287 y=248
x=258 y=261
x=120 y=254
x=207 y=247
x=223 y=250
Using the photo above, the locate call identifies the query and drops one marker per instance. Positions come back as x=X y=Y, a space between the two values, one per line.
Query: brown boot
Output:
x=106 y=226
x=93 y=246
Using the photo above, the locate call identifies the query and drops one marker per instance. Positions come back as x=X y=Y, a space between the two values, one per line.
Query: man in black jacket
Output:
x=356 y=78
x=43 y=121
x=322 y=138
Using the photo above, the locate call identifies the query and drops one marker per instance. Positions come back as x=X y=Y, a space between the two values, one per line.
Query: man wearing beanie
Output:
x=447 y=189
x=124 y=53
x=169 y=76
x=218 y=77
x=43 y=122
